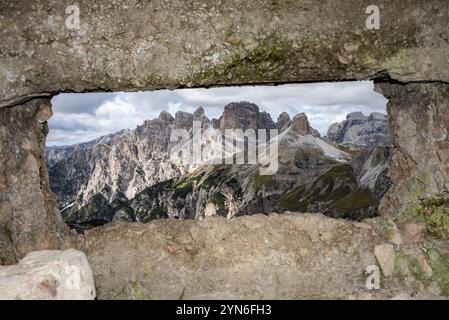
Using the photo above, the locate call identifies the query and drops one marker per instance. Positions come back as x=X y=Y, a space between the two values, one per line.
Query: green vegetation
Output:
x=138 y=291
x=102 y=145
x=413 y=268
x=269 y=58
x=91 y=208
x=435 y=213
x=343 y=171
x=291 y=199
x=438 y=222
x=322 y=190
x=359 y=199
x=387 y=227
x=218 y=199
x=183 y=189
x=186 y=186
x=440 y=266
x=154 y=190
x=260 y=181
x=208 y=183
x=195 y=178
x=438 y=259
x=119 y=181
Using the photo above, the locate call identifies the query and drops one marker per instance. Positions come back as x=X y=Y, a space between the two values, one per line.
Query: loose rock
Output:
x=48 y=275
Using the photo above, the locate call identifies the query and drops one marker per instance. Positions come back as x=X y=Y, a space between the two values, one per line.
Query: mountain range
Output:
x=132 y=175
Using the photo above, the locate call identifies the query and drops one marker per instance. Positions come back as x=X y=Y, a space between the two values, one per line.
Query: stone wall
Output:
x=419 y=122
x=289 y=256
x=29 y=218
x=136 y=45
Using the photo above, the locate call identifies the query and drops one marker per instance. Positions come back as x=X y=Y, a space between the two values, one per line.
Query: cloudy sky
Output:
x=83 y=117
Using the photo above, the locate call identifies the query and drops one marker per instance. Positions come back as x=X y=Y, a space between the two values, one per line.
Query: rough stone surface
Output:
x=135 y=45
x=29 y=218
x=385 y=256
x=403 y=296
x=48 y=275
x=247 y=257
x=288 y=256
x=419 y=122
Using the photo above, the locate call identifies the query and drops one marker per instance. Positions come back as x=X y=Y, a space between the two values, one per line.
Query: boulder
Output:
x=48 y=275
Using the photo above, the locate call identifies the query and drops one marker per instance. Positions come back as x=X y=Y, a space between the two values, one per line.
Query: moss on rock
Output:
x=439 y=263
x=435 y=213
x=406 y=265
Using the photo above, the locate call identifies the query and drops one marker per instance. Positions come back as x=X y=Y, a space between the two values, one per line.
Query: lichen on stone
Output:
x=434 y=212
x=439 y=263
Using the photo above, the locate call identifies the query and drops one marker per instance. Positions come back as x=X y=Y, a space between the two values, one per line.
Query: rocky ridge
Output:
x=131 y=175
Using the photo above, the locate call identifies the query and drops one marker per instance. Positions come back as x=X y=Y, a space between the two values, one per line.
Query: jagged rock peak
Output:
x=356 y=116
x=245 y=115
x=235 y=106
x=284 y=121
x=199 y=113
x=301 y=125
x=377 y=116
x=183 y=119
x=166 y=116
x=215 y=123
x=361 y=131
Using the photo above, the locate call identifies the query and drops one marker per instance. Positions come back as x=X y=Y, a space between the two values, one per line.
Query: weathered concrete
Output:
x=136 y=45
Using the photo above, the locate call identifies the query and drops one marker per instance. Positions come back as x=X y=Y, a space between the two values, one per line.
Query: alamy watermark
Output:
x=233 y=146
x=72 y=22
x=73 y=277
x=373 y=280
x=373 y=20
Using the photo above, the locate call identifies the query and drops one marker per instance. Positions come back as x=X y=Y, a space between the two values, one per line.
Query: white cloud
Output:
x=83 y=117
